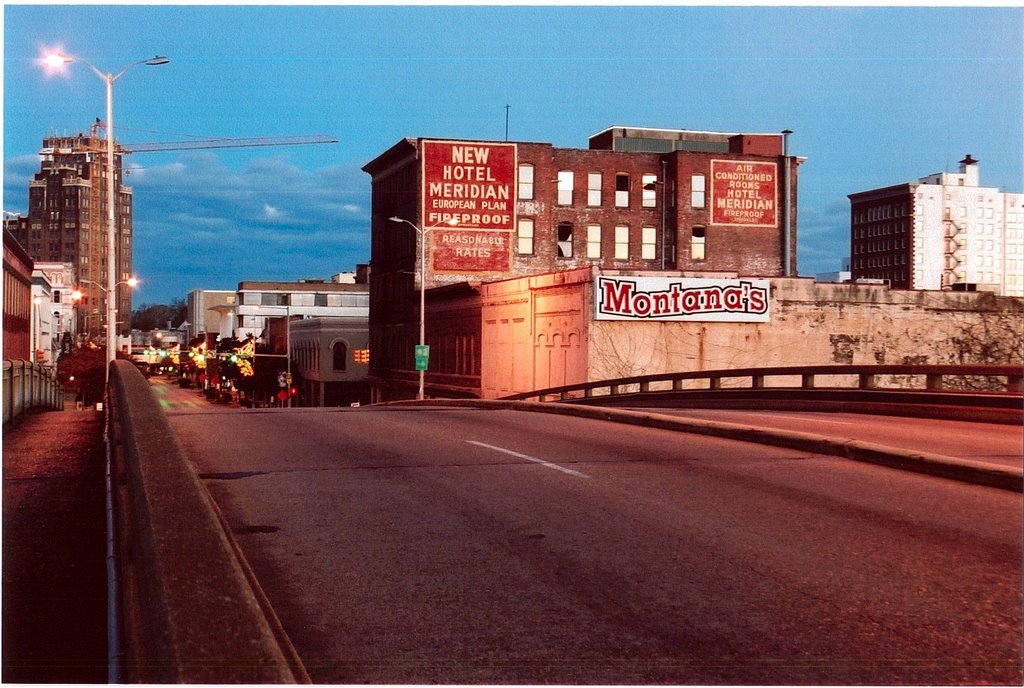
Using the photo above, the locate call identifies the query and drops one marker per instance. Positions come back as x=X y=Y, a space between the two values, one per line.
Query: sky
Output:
x=875 y=96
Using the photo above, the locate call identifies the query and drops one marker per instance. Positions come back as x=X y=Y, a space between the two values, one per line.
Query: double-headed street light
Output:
x=56 y=61
x=423 y=281
x=111 y=313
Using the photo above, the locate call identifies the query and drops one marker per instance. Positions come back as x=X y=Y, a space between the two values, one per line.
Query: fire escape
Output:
x=955 y=271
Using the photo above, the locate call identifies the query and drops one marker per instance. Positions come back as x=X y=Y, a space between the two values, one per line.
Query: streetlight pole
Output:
x=112 y=262
x=110 y=289
x=423 y=283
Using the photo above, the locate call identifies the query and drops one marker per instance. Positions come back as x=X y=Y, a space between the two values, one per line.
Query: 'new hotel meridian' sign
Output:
x=471 y=186
x=681 y=298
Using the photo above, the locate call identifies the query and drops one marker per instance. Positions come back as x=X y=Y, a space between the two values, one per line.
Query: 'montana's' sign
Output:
x=471 y=187
x=743 y=193
x=681 y=298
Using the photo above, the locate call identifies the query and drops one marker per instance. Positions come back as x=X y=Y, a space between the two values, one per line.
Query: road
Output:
x=403 y=545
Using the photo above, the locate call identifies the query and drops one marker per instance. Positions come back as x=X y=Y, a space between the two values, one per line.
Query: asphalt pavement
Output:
x=453 y=545
x=54 y=578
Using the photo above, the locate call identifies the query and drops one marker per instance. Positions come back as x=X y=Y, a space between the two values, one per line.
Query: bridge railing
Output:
x=28 y=385
x=999 y=379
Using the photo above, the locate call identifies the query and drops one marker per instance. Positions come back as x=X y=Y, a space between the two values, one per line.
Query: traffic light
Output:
x=361 y=355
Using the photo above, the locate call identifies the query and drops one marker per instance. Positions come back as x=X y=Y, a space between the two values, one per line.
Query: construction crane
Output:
x=251 y=142
x=223 y=142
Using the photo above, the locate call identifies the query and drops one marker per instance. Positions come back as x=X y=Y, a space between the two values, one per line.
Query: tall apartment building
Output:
x=67 y=222
x=635 y=199
x=944 y=231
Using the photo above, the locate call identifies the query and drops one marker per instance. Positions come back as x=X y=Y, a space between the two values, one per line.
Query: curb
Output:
x=963 y=470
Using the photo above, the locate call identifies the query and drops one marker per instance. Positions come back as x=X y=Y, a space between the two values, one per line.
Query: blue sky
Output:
x=875 y=96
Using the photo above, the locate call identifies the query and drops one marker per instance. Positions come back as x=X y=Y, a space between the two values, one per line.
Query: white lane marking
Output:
x=542 y=462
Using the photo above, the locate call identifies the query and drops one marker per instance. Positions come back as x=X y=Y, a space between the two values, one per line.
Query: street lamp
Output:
x=55 y=61
x=423 y=279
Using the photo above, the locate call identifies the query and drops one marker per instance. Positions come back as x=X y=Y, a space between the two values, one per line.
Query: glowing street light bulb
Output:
x=55 y=60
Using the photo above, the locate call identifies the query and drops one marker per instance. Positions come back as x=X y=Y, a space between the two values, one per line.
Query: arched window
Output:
x=340 y=352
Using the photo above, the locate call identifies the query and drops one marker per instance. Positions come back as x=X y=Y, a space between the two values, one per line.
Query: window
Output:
x=622 y=191
x=526 y=182
x=565 y=240
x=525 y=245
x=697 y=243
x=339 y=353
x=594 y=189
x=274 y=299
x=622 y=242
x=565 y=187
x=593 y=241
x=649 y=197
x=649 y=243
x=697 y=191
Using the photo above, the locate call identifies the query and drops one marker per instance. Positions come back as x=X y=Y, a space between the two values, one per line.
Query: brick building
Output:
x=647 y=200
x=17 y=292
x=944 y=231
x=67 y=222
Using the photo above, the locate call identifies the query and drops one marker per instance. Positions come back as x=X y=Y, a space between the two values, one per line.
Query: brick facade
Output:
x=67 y=222
x=631 y=201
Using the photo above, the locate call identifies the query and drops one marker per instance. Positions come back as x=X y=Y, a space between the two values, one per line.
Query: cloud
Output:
x=823 y=237
x=18 y=172
x=202 y=224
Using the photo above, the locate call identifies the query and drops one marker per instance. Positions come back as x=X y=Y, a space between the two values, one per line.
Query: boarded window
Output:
x=565 y=240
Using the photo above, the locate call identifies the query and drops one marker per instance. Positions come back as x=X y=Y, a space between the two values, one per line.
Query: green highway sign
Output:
x=422 y=356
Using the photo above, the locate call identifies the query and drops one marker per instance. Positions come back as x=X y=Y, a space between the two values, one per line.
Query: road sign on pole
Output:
x=422 y=356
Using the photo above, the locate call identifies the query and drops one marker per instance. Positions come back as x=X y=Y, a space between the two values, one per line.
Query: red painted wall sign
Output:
x=472 y=185
x=744 y=193
x=470 y=250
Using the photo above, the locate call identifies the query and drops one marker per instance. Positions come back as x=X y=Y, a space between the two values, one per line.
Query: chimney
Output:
x=969 y=168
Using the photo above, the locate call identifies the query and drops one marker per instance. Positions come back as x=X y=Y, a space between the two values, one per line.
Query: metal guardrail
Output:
x=29 y=385
x=963 y=379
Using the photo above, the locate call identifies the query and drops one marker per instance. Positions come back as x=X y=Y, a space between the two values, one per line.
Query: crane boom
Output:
x=252 y=142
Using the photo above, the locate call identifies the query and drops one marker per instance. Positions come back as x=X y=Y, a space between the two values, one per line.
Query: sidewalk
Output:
x=54 y=549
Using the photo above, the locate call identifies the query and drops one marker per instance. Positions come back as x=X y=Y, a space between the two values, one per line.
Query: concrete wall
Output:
x=190 y=613
x=815 y=323
x=535 y=332
x=539 y=332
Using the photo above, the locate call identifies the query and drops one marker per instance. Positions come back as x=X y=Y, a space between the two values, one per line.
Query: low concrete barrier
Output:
x=28 y=386
x=190 y=611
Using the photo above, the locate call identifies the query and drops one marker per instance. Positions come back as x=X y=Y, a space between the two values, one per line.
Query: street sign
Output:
x=422 y=356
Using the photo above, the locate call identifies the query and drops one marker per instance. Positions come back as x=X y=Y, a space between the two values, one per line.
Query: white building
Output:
x=210 y=310
x=259 y=302
x=945 y=231
x=53 y=284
